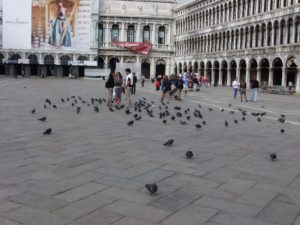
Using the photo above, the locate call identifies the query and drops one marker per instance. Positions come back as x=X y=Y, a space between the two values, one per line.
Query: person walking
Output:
x=110 y=83
x=179 y=88
x=236 y=86
x=118 y=88
x=166 y=88
x=133 y=88
x=254 y=86
x=157 y=84
x=185 y=80
x=243 y=87
x=143 y=80
x=128 y=86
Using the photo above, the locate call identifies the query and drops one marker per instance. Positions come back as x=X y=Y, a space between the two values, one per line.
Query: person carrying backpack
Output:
x=133 y=89
x=110 y=83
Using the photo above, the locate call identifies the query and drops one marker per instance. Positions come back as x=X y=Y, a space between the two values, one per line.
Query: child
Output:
x=157 y=84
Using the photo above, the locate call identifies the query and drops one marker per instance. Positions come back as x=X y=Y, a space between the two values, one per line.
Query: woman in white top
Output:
x=236 y=86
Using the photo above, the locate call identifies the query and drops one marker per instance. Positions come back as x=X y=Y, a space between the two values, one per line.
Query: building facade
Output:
x=239 y=38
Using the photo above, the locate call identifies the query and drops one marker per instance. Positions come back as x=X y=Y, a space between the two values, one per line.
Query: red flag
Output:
x=143 y=48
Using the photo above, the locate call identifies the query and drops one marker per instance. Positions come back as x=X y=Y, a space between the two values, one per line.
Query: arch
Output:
x=233 y=71
x=145 y=67
x=291 y=66
x=82 y=58
x=100 y=62
x=115 y=32
x=264 y=70
x=242 y=68
x=185 y=67
x=146 y=33
x=33 y=64
x=64 y=61
x=224 y=66
x=195 y=67
x=216 y=73
x=49 y=60
x=277 y=70
x=160 y=67
x=130 y=33
x=14 y=58
x=161 y=35
x=209 y=71
x=180 y=68
x=2 y=67
x=100 y=33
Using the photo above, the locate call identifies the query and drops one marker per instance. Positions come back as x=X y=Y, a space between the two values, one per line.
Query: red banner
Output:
x=143 y=48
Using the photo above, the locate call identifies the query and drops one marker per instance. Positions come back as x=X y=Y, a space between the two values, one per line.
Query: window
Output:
x=146 y=34
x=115 y=33
x=100 y=33
x=130 y=33
x=161 y=35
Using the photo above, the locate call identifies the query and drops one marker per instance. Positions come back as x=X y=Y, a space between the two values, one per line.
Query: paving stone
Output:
x=191 y=215
x=154 y=176
x=129 y=195
x=176 y=200
x=39 y=201
x=85 y=206
x=81 y=191
x=98 y=217
x=4 y=221
x=6 y=205
x=5 y=193
x=227 y=206
x=138 y=211
x=31 y=216
x=131 y=221
x=233 y=219
x=121 y=182
x=237 y=186
x=279 y=212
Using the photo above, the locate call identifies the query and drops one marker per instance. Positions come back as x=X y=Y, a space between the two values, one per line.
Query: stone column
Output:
x=122 y=37
x=238 y=73
x=169 y=34
x=284 y=77
x=258 y=74
x=138 y=33
x=228 y=78
x=248 y=77
x=107 y=39
x=271 y=77
x=106 y=62
x=220 y=83
x=153 y=39
x=168 y=70
x=298 y=81
x=152 y=67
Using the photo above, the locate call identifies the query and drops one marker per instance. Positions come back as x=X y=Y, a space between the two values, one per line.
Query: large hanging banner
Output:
x=143 y=48
x=61 y=24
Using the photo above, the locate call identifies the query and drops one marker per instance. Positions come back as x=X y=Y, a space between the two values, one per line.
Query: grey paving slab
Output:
x=39 y=201
x=237 y=186
x=191 y=215
x=98 y=217
x=279 y=212
x=233 y=219
x=139 y=211
x=31 y=216
x=4 y=221
x=83 y=207
x=6 y=205
x=131 y=221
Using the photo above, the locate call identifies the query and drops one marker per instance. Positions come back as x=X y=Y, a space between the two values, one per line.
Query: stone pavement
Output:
x=92 y=169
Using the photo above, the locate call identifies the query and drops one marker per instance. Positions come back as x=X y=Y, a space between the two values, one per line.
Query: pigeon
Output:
x=73 y=96
x=210 y=109
x=204 y=122
x=48 y=101
x=73 y=104
x=169 y=142
x=255 y=114
x=281 y=120
x=198 y=126
x=173 y=117
x=135 y=108
x=45 y=106
x=282 y=115
x=273 y=156
x=178 y=114
x=103 y=99
x=226 y=123
x=229 y=105
x=177 y=108
x=189 y=154
x=199 y=106
x=165 y=121
x=243 y=118
x=130 y=123
x=222 y=110
x=282 y=131
x=152 y=188
x=33 y=111
x=236 y=121
x=78 y=110
x=54 y=106
x=258 y=119
x=43 y=119
x=183 y=122
x=140 y=110
x=68 y=99
x=47 y=132
x=75 y=101
x=110 y=109
x=127 y=111
x=135 y=115
x=138 y=118
x=62 y=100
x=231 y=112
x=122 y=106
x=244 y=113
x=188 y=117
x=96 y=109
x=263 y=114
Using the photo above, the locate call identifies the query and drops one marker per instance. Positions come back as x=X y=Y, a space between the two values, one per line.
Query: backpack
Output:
x=134 y=79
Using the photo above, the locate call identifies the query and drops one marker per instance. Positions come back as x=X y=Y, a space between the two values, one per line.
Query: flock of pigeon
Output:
x=165 y=113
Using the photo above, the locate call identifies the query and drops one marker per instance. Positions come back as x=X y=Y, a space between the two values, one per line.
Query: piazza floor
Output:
x=92 y=169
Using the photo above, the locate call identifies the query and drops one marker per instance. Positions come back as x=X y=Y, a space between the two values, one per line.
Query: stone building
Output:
x=239 y=38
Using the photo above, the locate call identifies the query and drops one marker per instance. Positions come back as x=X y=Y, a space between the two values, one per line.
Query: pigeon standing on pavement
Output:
x=189 y=154
x=169 y=142
x=152 y=188
x=48 y=131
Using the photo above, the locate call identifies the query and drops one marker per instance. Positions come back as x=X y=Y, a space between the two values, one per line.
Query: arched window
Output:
x=146 y=34
x=115 y=33
x=100 y=33
x=130 y=33
x=161 y=35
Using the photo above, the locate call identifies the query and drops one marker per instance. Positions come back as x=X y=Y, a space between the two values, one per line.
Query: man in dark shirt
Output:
x=165 y=87
x=254 y=86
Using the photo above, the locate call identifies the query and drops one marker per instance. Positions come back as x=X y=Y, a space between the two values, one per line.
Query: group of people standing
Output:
x=241 y=86
x=118 y=85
